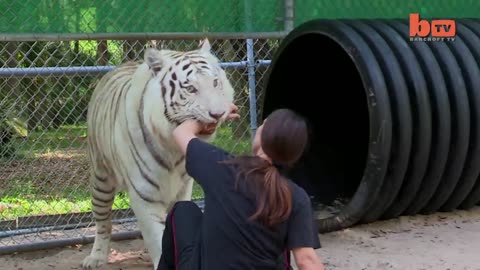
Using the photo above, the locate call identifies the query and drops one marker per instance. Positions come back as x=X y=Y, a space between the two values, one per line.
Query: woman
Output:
x=253 y=215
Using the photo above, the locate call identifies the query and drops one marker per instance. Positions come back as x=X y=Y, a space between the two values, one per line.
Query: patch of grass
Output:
x=31 y=204
x=57 y=184
x=224 y=139
x=41 y=142
x=19 y=126
x=17 y=207
x=29 y=200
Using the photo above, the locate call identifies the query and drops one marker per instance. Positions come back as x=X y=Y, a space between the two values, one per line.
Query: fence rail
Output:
x=6 y=37
x=94 y=70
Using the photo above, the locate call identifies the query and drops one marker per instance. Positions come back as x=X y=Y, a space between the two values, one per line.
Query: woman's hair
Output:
x=283 y=139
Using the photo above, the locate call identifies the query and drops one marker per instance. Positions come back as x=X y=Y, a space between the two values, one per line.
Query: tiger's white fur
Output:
x=131 y=115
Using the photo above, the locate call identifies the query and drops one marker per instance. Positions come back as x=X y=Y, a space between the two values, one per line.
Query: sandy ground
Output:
x=443 y=241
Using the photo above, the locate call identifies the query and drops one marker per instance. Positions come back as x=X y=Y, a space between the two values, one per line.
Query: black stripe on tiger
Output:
x=118 y=98
x=147 y=137
x=106 y=202
x=165 y=110
x=129 y=179
x=142 y=172
x=172 y=93
x=96 y=204
x=143 y=197
x=102 y=219
x=104 y=191
x=172 y=89
x=162 y=85
x=112 y=104
x=99 y=213
x=136 y=158
x=182 y=158
x=134 y=150
x=100 y=178
x=133 y=147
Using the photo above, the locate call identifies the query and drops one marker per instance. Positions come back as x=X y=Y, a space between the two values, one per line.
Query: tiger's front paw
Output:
x=93 y=261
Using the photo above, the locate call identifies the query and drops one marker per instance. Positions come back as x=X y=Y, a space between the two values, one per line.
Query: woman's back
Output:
x=229 y=239
x=253 y=215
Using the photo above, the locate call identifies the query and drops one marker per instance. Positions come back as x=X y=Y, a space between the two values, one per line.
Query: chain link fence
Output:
x=53 y=52
x=45 y=88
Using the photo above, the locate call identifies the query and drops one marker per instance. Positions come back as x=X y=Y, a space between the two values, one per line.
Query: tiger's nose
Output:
x=216 y=116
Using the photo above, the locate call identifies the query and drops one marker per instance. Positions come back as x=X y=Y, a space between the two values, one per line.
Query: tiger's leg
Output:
x=151 y=218
x=185 y=194
x=103 y=193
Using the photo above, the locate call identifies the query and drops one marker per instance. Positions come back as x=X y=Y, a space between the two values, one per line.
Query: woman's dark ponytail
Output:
x=270 y=188
x=282 y=138
x=274 y=199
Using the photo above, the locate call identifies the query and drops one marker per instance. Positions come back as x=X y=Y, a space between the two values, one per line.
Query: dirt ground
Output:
x=442 y=241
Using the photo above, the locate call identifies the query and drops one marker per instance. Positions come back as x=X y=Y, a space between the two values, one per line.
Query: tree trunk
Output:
x=12 y=90
x=132 y=50
x=103 y=55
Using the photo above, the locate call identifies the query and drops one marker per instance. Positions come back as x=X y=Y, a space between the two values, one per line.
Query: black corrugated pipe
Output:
x=395 y=122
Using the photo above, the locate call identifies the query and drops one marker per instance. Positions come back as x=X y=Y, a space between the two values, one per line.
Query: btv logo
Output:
x=436 y=30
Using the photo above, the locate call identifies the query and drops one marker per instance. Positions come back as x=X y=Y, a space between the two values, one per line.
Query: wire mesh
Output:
x=44 y=188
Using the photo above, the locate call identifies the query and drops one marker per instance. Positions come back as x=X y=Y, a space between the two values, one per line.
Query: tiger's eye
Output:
x=215 y=83
x=192 y=89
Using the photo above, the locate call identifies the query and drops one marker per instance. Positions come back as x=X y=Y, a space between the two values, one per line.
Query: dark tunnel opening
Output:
x=315 y=76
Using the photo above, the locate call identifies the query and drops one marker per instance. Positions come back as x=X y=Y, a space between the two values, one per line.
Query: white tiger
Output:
x=131 y=114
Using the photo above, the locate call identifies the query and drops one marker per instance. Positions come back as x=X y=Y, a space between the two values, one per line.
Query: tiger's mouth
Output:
x=209 y=128
x=210 y=124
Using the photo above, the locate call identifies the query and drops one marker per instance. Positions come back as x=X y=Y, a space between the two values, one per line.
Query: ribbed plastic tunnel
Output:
x=395 y=122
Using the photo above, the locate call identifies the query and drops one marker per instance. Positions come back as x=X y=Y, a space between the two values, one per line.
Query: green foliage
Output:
x=7 y=149
x=93 y=16
x=45 y=102
x=44 y=142
x=9 y=130
x=224 y=139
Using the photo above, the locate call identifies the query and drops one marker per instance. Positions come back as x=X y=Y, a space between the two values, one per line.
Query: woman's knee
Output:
x=186 y=207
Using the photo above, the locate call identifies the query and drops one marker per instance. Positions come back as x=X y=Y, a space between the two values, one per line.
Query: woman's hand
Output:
x=209 y=129
x=185 y=132
x=233 y=114
x=190 y=129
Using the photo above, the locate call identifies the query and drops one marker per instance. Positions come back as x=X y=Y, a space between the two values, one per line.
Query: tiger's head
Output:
x=192 y=83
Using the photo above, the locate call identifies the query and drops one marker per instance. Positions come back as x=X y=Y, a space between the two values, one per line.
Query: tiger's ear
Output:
x=151 y=44
x=204 y=45
x=153 y=59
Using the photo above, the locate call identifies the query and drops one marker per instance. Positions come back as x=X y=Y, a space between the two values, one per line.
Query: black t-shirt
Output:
x=228 y=239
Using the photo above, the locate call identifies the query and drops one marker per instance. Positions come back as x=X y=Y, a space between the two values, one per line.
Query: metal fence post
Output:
x=251 y=69
x=289 y=7
x=251 y=86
